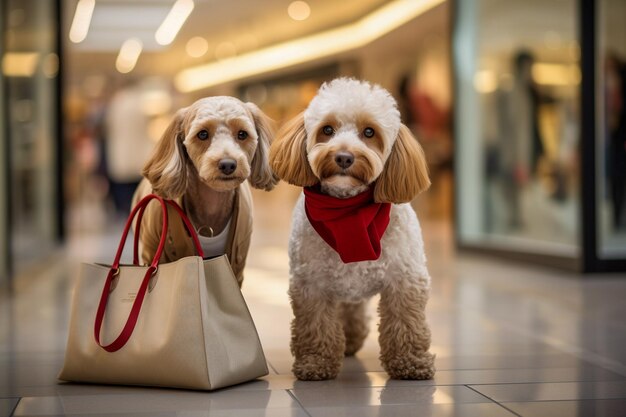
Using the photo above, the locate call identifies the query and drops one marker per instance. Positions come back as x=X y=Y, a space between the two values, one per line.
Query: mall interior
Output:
x=519 y=106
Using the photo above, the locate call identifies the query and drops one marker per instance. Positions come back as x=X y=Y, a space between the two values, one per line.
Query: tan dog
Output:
x=350 y=145
x=203 y=161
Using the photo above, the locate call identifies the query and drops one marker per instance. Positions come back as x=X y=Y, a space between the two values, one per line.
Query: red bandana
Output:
x=352 y=226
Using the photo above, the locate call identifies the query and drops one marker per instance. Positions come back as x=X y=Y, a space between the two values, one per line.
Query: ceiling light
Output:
x=166 y=33
x=299 y=10
x=128 y=56
x=82 y=20
x=310 y=48
x=197 y=47
x=19 y=64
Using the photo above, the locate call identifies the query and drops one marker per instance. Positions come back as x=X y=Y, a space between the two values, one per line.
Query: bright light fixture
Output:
x=320 y=45
x=128 y=56
x=299 y=10
x=166 y=33
x=197 y=47
x=82 y=20
x=19 y=64
x=556 y=74
x=485 y=82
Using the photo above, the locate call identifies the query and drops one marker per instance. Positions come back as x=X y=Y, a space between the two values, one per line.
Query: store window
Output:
x=611 y=129
x=517 y=125
x=30 y=67
x=4 y=200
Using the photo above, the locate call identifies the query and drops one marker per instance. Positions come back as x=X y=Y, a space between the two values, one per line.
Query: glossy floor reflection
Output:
x=510 y=340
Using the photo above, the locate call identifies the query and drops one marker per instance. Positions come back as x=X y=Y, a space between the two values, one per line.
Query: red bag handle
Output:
x=190 y=229
x=127 y=331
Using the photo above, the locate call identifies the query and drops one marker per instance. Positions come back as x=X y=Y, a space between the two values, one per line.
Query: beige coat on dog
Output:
x=179 y=242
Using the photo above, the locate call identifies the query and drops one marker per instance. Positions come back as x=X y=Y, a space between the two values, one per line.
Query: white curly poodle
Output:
x=353 y=232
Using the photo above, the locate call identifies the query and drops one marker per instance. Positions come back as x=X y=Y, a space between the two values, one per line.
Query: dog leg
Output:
x=355 y=326
x=404 y=334
x=317 y=339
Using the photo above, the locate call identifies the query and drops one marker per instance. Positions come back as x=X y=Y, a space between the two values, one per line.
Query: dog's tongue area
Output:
x=353 y=226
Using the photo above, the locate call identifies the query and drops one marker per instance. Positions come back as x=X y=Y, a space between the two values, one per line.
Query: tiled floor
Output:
x=510 y=340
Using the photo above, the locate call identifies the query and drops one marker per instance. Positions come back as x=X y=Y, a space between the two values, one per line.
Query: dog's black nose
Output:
x=227 y=166
x=344 y=159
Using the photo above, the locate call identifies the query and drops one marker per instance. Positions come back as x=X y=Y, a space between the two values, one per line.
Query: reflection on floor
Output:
x=510 y=340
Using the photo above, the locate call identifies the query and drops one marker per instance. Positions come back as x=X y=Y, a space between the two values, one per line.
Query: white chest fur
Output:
x=316 y=265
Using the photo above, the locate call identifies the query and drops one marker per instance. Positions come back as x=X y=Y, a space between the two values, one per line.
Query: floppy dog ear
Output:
x=261 y=175
x=288 y=155
x=166 y=169
x=405 y=174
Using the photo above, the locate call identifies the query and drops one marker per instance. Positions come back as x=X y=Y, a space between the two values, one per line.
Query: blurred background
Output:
x=520 y=106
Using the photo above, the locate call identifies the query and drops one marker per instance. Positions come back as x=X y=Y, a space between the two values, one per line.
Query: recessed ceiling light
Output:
x=82 y=20
x=128 y=56
x=306 y=49
x=299 y=10
x=197 y=47
x=166 y=33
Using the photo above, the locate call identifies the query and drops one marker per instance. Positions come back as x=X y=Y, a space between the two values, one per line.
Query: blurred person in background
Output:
x=127 y=145
x=519 y=148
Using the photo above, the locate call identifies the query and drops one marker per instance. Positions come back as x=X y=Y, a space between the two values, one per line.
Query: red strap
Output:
x=186 y=222
x=127 y=331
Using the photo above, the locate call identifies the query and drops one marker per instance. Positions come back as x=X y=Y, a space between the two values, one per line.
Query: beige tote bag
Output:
x=183 y=324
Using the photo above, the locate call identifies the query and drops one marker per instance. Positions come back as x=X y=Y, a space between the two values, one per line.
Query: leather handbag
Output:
x=183 y=324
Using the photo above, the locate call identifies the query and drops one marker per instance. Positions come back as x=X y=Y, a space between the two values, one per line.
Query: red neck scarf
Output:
x=352 y=226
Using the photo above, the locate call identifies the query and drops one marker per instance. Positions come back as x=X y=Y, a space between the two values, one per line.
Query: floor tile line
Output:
x=492 y=400
x=15 y=406
x=292 y=395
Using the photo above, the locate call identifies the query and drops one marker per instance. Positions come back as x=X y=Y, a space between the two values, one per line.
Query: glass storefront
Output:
x=4 y=200
x=540 y=130
x=611 y=129
x=517 y=124
x=30 y=67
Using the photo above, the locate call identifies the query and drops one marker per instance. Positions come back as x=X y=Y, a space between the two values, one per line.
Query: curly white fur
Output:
x=317 y=267
x=328 y=295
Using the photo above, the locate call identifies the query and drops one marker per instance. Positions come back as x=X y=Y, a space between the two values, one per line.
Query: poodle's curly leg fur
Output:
x=317 y=338
x=355 y=325
x=404 y=334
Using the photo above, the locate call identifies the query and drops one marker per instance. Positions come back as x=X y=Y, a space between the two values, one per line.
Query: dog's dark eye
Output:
x=242 y=135
x=203 y=135
x=368 y=132
x=328 y=130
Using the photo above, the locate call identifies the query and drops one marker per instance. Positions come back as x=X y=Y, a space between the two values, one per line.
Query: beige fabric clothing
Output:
x=179 y=243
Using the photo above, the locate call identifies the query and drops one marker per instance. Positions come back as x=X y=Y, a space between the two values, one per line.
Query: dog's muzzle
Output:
x=227 y=166
x=344 y=159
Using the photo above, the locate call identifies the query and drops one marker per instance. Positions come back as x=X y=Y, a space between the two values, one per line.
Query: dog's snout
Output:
x=227 y=166
x=344 y=159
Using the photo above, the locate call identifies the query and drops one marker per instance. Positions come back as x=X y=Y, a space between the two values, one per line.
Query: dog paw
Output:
x=315 y=368
x=420 y=366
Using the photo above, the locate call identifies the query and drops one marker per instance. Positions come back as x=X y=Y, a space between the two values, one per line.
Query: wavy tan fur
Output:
x=261 y=175
x=288 y=155
x=407 y=157
x=166 y=169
